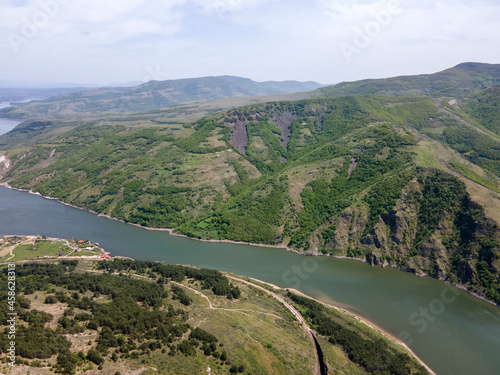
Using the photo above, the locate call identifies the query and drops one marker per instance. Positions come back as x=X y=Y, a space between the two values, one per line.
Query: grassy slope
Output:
x=484 y=108
x=255 y=331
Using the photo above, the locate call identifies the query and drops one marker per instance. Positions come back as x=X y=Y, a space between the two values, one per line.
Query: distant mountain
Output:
x=6 y=83
x=155 y=95
x=17 y=94
x=454 y=82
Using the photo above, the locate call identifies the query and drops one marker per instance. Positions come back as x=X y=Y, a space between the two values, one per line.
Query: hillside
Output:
x=411 y=181
x=153 y=95
x=458 y=81
x=461 y=80
x=484 y=108
x=125 y=316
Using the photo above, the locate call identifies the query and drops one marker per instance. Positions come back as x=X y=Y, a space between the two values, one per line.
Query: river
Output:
x=452 y=331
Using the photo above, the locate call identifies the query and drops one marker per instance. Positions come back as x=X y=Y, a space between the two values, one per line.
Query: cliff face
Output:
x=453 y=240
x=4 y=165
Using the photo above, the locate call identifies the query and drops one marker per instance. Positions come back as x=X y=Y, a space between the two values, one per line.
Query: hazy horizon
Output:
x=326 y=41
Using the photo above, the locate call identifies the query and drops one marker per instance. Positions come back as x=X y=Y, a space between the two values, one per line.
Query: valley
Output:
x=410 y=181
x=401 y=172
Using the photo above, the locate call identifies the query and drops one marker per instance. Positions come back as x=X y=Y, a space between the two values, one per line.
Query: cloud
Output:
x=223 y=8
x=419 y=33
x=92 y=22
x=112 y=40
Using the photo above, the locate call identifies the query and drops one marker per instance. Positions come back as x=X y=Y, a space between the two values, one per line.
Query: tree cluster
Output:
x=371 y=353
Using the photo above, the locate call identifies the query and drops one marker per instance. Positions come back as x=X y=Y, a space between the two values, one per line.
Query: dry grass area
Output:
x=487 y=198
x=214 y=140
x=6 y=251
x=255 y=331
x=37 y=302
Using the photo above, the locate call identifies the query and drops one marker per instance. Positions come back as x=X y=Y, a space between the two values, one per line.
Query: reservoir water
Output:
x=6 y=125
x=450 y=330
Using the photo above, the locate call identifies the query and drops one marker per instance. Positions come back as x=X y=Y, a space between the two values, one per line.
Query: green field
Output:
x=45 y=248
x=41 y=249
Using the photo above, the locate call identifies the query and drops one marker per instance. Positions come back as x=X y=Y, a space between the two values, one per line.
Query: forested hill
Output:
x=460 y=80
x=154 y=95
x=410 y=180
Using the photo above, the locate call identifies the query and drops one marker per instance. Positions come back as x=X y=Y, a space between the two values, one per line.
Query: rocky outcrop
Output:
x=463 y=248
x=4 y=165
x=350 y=226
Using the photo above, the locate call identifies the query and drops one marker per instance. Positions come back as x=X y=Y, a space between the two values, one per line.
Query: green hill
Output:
x=461 y=80
x=406 y=180
x=153 y=95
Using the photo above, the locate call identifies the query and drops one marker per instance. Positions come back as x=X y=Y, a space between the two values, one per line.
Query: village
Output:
x=24 y=248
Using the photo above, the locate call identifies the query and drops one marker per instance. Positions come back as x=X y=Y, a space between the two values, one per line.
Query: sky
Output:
x=327 y=41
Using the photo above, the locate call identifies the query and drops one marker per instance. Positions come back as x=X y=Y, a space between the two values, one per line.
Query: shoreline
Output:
x=355 y=316
x=171 y=232
x=372 y=326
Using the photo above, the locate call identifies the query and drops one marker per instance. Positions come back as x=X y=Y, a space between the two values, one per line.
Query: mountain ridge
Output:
x=456 y=81
x=155 y=95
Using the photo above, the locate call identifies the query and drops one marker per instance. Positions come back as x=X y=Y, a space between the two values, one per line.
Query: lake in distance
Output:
x=450 y=330
x=6 y=125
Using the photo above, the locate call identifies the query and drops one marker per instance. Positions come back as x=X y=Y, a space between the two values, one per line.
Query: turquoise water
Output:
x=450 y=330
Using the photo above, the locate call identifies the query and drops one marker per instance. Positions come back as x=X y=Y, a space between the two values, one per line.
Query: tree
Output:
x=95 y=356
